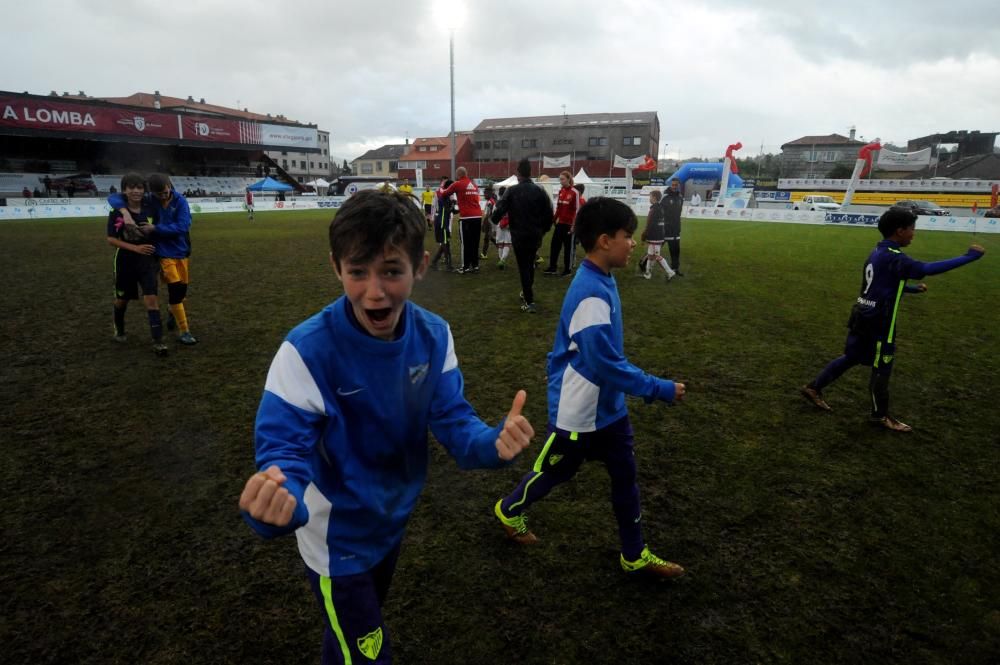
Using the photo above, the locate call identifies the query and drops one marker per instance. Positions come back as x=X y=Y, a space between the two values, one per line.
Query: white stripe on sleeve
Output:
x=289 y=379
x=450 y=359
x=590 y=312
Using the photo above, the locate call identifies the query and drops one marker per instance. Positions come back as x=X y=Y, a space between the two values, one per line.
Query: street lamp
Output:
x=451 y=16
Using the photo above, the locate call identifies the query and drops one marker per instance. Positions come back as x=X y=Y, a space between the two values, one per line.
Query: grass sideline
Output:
x=808 y=537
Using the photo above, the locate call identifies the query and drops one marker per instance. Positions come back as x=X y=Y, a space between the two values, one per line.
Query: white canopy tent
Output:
x=509 y=182
x=582 y=178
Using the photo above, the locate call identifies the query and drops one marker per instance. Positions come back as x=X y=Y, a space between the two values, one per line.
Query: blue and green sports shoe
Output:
x=515 y=527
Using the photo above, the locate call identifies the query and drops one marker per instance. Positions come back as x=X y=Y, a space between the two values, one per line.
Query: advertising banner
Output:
x=55 y=114
x=42 y=114
x=904 y=161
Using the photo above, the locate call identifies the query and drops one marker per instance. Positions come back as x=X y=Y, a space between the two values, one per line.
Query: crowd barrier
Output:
x=57 y=208
x=90 y=207
x=963 y=223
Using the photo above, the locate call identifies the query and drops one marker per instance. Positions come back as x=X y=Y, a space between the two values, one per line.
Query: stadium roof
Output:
x=190 y=105
x=978 y=167
x=576 y=120
x=388 y=151
x=826 y=139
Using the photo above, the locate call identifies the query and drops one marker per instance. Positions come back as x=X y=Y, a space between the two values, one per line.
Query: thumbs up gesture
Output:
x=517 y=431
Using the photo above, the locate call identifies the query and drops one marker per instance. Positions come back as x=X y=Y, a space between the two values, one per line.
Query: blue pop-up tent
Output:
x=269 y=184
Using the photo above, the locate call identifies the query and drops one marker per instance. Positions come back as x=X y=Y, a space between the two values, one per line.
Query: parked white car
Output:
x=816 y=203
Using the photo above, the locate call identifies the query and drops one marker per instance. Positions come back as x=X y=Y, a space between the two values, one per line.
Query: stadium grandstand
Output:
x=75 y=145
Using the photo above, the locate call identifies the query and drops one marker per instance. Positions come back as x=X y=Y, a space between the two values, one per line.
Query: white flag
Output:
x=555 y=162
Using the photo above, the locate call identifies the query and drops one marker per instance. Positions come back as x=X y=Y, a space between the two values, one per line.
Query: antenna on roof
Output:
x=565 y=117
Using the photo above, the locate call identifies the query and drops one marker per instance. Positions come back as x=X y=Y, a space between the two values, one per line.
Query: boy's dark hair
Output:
x=132 y=180
x=524 y=168
x=656 y=194
x=372 y=220
x=603 y=215
x=895 y=218
x=579 y=187
x=158 y=182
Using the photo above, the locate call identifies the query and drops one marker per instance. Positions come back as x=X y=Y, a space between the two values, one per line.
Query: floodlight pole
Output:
x=451 y=59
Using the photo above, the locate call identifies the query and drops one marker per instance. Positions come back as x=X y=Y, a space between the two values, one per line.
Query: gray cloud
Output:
x=374 y=72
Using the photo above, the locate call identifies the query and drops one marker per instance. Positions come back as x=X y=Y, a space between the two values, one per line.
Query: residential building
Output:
x=383 y=161
x=433 y=156
x=816 y=156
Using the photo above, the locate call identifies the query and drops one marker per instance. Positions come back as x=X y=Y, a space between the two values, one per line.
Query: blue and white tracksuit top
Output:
x=587 y=369
x=345 y=417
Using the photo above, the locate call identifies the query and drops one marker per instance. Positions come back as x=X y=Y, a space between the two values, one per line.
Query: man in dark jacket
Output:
x=529 y=210
x=672 y=205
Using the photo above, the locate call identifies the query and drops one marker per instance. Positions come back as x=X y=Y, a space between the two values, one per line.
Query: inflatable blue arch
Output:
x=705 y=171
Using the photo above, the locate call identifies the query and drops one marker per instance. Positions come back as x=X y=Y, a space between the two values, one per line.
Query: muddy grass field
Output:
x=809 y=537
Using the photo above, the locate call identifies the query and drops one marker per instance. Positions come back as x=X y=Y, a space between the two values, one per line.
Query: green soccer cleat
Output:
x=187 y=339
x=650 y=564
x=516 y=528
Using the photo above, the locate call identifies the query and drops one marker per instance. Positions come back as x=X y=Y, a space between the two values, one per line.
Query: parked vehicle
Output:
x=923 y=208
x=816 y=203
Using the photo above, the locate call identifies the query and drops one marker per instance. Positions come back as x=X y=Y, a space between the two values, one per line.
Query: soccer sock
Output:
x=180 y=316
x=120 y=318
x=504 y=251
x=155 y=324
x=663 y=264
x=831 y=372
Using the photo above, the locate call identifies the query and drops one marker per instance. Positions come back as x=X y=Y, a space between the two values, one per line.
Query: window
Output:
x=831 y=156
x=312 y=165
x=284 y=152
x=562 y=141
x=366 y=168
x=324 y=151
x=529 y=143
x=393 y=166
x=810 y=176
x=501 y=144
x=632 y=140
x=284 y=163
x=597 y=140
x=293 y=163
x=378 y=166
x=422 y=148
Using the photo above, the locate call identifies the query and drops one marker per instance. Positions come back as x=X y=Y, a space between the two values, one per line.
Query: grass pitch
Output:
x=808 y=537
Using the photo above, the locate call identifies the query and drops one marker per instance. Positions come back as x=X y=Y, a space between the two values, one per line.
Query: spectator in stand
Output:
x=112 y=190
x=47 y=181
x=25 y=193
x=37 y=192
x=70 y=189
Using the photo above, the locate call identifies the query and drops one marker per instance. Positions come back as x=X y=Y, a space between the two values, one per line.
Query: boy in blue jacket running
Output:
x=589 y=377
x=341 y=432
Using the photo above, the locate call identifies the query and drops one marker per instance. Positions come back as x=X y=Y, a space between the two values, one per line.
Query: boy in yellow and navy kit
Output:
x=871 y=337
x=171 y=232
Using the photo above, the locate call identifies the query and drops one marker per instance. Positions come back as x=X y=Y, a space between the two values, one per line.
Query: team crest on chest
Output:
x=371 y=644
x=417 y=373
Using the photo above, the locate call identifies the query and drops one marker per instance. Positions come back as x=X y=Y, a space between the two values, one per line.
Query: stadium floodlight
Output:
x=451 y=15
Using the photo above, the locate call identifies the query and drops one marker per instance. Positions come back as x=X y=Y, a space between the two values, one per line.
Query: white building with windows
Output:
x=307 y=166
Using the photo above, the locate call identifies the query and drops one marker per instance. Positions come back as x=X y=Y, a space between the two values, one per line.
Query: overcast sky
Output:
x=375 y=72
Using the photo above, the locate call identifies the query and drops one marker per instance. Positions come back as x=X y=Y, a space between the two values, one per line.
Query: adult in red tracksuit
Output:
x=562 y=237
x=471 y=214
